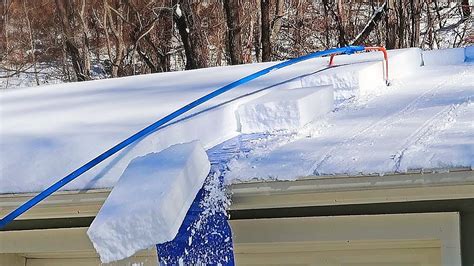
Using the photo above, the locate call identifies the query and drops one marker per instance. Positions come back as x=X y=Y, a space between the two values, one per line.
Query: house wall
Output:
x=396 y=239
x=267 y=219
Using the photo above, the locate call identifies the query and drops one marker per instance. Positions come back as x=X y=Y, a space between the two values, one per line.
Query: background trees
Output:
x=45 y=41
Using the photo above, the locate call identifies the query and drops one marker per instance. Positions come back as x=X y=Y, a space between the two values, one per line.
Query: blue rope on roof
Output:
x=155 y=126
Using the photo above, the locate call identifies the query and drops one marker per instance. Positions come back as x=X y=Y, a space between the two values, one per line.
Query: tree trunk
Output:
x=298 y=27
x=266 y=30
x=234 y=31
x=66 y=12
x=415 y=22
x=257 y=33
x=391 y=26
x=32 y=45
x=277 y=19
x=374 y=20
x=465 y=8
x=340 y=18
x=189 y=29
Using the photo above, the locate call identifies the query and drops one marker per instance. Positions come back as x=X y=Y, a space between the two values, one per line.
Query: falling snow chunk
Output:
x=285 y=109
x=150 y=201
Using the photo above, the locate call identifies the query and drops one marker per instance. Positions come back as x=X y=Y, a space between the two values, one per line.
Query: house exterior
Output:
x=409 y=219
x=419 y=216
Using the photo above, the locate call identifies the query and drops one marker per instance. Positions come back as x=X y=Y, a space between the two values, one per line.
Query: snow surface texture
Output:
x=149 y=202
x=444 y=57
x=421 y=122
x=285 y=109
x=47 y=132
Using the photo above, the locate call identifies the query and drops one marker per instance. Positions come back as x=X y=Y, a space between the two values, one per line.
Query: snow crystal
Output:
x=150 y=201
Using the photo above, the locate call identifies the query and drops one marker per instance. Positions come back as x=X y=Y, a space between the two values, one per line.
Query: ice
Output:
x=150 y=201
x=443 y=57
x=285 y=109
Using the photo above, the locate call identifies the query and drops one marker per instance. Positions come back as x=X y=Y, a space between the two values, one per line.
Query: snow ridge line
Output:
x=440 y=121
x=388 y=120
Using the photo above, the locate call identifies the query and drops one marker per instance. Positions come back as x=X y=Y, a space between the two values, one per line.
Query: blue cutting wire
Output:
x=153 y=127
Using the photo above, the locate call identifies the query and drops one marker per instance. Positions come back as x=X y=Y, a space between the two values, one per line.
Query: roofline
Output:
x=305 y=191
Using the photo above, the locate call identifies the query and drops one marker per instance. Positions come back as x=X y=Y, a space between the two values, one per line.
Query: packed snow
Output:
x=285 y=109
x=149 y=202
x=47 y=132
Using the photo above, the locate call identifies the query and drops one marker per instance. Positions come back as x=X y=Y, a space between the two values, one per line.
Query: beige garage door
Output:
x=408 y=239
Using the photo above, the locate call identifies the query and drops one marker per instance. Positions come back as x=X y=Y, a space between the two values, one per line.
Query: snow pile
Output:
x=443 y=57
x=285 y=109
x=150 y=201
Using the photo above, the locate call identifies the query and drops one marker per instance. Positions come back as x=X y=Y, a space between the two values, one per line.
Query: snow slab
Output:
x=366 y=75
x=443 y=57
x=150 y=201
x=285 y=109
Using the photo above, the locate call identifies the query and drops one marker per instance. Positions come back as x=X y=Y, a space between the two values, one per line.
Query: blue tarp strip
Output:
x=155 y=126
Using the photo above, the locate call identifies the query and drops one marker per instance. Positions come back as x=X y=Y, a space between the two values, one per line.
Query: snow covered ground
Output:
x=422 y=121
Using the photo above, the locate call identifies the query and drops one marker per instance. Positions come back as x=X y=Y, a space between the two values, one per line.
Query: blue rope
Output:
x=151 y=128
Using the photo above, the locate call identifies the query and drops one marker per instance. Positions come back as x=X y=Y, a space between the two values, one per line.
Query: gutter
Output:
x=305 y=191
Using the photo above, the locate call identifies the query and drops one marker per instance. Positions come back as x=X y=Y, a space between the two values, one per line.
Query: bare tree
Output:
x=391 y=25
x=32 y=44
x=189 y=30
x=234 y=31
x=76 y=46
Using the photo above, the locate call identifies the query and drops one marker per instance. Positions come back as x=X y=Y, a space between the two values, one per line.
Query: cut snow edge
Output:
x=149 y=202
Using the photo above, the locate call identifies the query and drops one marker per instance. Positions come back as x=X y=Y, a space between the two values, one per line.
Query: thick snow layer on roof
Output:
x=424 y=121
x=47 y=132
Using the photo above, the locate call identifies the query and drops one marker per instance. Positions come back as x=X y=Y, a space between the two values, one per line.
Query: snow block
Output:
x=149 y=202
x=441 y=57
x=469 y=54
x=285 y=109
x=404 y=62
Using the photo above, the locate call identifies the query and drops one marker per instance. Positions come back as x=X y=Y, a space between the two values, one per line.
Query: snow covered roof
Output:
x=422 y=121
